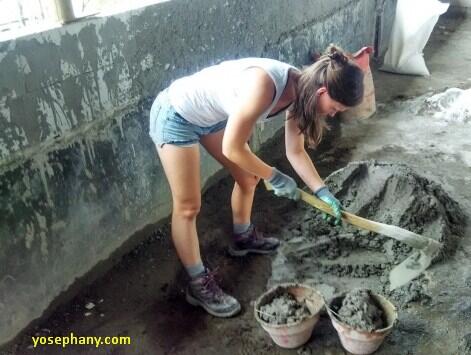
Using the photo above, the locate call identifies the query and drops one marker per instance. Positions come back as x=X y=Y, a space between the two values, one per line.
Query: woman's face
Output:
x=327 y=106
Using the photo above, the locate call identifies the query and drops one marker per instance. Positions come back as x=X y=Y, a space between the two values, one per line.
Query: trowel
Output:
x=407 y=270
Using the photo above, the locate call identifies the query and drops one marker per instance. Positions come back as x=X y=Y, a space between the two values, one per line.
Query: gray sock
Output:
x=241 y=228
x=195 y=270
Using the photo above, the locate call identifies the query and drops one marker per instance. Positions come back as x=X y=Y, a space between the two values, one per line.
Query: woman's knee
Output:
x=187 y=209
x=247 y=181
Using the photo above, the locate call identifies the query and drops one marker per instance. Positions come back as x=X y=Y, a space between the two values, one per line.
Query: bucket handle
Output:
x=334 y=313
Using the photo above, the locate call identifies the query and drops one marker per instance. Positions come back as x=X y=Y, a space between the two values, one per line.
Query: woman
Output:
x=218 y=107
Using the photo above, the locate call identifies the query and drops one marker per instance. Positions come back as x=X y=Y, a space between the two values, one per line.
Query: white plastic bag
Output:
x=411 y=30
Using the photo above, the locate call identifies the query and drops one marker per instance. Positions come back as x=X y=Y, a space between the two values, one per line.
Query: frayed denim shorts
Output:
x=168 y=127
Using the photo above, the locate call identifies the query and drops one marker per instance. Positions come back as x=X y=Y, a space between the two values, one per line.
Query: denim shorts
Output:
x=168 y=127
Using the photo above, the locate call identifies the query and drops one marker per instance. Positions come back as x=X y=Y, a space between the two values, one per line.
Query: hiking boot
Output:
x=205 y=292
x=252 y=241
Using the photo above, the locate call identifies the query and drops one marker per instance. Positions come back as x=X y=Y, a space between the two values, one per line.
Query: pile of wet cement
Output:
x=360 y=311
x=383 y=192
x=284 y=309
x=395 y=194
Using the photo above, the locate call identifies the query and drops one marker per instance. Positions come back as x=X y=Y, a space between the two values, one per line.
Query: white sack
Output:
x=411 y=30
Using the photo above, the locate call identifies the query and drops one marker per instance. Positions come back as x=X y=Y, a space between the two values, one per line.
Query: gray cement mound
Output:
x=346 y=257
x=395 y=194
x=284 y=309
x=360 y=311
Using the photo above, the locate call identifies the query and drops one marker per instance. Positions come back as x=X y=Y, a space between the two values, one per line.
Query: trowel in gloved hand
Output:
x=407 y=270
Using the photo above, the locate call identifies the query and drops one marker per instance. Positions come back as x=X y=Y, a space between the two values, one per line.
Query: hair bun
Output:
x=337 y=55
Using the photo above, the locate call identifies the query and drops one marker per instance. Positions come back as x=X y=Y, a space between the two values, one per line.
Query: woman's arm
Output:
x=257 y=93
x=298 y=157
x=303 y=165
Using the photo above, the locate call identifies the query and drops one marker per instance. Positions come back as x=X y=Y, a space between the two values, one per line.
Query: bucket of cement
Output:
x=289 y=312
x=362 y=320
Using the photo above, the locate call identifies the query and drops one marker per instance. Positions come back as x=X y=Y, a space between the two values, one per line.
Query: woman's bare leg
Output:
x=182 y=168
x=247 y=239
x=245 y=183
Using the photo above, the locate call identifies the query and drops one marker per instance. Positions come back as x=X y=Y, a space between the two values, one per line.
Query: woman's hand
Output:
x=325 y=195
x=283 y=185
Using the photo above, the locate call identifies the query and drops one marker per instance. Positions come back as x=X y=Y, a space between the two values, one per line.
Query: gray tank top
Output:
x=210 y=95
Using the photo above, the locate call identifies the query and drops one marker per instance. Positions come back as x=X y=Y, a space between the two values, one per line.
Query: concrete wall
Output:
x=78 y=173
x=463 y=3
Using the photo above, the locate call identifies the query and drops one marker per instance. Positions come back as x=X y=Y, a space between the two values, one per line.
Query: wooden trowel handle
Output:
x=346 y=216
x=324 y=207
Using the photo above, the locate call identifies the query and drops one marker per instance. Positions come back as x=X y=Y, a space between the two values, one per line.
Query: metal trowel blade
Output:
x=409 y=269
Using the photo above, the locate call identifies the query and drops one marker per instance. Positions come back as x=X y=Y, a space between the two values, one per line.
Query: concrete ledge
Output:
x=78 y=172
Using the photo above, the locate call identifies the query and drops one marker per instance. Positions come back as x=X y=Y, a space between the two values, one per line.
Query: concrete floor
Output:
x=142 y=296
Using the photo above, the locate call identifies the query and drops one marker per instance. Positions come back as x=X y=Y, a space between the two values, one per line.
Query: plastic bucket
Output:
x=295 y=334
x=361 y=342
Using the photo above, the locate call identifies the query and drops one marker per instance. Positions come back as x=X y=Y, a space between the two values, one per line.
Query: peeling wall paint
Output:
x=63 y=82
x=78 y=172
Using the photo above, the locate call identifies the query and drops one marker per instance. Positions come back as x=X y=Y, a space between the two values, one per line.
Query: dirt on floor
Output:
x=409 y=165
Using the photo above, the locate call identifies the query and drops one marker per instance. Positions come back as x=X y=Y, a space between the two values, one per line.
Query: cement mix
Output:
x=284 y=309
x=360 y=311
x=381 y=191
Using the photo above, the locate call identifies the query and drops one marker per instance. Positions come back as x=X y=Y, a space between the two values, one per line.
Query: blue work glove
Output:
x=283 y=185
x=325 y=195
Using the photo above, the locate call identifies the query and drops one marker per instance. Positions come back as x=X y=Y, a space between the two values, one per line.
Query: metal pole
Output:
x=65 y=10
x=378 y=28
